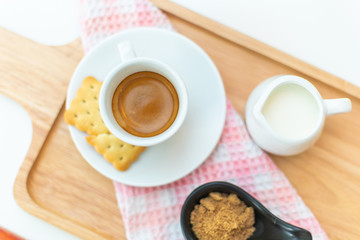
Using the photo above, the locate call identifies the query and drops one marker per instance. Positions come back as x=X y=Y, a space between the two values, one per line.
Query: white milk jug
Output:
x=285 y=114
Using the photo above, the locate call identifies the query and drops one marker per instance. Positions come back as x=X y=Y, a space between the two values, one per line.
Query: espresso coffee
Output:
x=145 y=104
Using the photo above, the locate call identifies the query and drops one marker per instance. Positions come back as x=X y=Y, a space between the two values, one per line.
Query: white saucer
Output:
x=202 y=128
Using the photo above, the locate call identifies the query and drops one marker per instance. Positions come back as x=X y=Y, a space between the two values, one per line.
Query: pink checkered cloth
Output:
x=154 y=213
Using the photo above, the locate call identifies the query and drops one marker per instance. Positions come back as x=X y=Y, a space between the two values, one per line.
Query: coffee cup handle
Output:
x=335 y=106
x=126 y=51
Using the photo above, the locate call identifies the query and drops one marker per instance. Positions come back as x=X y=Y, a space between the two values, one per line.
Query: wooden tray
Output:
x=57 y=185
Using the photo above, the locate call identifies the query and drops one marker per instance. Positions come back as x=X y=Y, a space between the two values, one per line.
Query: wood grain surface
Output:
x=61 y=188
x=36 y=76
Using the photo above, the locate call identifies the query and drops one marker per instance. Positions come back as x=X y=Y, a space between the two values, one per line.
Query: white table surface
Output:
x=325 y=33
x=32 y=19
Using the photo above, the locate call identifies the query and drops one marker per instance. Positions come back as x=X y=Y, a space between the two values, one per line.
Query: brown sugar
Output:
x=222 y=216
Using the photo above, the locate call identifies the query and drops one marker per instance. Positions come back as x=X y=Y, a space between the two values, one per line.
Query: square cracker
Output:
x=119 y=153
x=84 y=112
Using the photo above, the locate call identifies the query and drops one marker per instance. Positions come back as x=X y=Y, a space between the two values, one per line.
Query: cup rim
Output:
x=108 y=89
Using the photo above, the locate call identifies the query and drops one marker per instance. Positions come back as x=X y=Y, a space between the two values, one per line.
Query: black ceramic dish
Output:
x=268 y=226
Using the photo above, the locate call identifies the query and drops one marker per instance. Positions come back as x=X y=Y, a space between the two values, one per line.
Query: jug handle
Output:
x=335 y=106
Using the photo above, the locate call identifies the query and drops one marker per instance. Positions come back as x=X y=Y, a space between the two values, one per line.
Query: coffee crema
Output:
x=145 y=104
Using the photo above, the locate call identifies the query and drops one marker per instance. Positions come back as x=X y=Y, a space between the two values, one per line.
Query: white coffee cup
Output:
x=131 y=64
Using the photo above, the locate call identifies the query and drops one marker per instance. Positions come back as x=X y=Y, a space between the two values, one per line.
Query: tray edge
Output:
x=257 y=46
